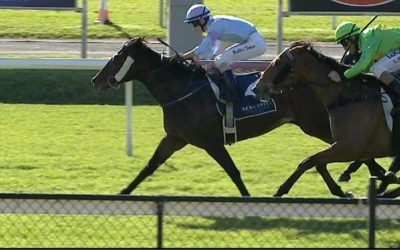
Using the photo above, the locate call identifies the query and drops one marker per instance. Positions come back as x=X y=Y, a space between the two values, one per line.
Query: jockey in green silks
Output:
x=380 y=53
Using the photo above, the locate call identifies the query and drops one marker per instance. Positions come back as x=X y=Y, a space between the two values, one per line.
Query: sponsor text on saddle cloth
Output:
x=249 y=105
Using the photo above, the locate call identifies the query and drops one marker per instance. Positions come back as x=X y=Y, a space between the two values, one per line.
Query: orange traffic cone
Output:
x=102 y=14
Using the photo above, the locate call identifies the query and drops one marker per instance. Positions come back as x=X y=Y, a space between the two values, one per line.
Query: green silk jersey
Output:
x=374 y=43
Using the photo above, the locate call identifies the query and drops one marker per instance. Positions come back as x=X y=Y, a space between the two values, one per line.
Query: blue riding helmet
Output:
x=196 y=12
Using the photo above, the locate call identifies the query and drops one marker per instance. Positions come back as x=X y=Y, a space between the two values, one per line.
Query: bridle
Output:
x=282 y=73
x=113 y=80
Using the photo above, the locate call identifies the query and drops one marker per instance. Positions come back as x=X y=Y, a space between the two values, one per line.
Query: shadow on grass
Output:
x=120 y=29
x=304 y=226
x=63 y=87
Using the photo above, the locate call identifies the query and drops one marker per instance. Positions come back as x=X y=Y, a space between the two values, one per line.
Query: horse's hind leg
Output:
x=353 y=167
x=390 y=194
x=165 y=149
x=332 y=185
x=375 y=169
x=390 y=176
x=222 y=156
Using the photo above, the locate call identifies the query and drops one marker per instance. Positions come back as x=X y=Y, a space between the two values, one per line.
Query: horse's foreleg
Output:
x=222 y=156
x=334 y=153
x=287 y=185
x=165 y=149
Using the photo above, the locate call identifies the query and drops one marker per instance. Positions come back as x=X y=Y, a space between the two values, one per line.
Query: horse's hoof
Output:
x=348 y=194
x=391 y=177
x=381 y=189
x=344 y=177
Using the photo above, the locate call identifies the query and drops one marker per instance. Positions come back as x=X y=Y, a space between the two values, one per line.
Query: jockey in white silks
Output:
x=248 y=42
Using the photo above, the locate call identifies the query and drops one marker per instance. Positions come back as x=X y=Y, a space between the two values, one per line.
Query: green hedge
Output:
x=62 y=87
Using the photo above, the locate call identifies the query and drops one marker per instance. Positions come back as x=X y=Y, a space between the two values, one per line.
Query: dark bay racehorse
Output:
x=192 y=116
x=356 y=115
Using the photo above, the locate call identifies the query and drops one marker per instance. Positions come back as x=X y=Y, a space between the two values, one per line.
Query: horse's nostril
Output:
x=93 y=81
x=112 y=80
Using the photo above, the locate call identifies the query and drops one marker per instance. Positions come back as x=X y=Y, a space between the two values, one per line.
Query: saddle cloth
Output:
x=387 y=108
x=249 y=105
x=392 y=119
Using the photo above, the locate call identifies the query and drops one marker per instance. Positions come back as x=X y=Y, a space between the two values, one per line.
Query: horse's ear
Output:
x=143 y=39
x=306 y=46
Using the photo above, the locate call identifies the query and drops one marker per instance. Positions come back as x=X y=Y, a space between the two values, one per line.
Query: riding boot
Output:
x=230 y=86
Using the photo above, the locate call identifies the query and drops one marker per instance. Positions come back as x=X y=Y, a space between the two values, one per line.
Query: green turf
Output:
x=141 y=18
x=80 y=149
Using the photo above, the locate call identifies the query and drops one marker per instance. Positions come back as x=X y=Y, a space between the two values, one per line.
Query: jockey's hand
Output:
x=194 y=58
x=334 y=76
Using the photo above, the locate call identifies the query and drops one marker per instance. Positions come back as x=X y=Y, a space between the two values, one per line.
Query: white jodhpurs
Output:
x=390 y=63
x=255 y=46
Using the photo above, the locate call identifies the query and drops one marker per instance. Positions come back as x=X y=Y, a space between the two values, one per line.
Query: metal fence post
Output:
x=161 y=14
x=279 y=25
x=334 y=22
x=372 y=212
x=129 y=120
x=84 y=30
x=160 y=213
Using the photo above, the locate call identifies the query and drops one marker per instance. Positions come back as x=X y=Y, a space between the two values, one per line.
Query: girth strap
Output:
x=345 y=101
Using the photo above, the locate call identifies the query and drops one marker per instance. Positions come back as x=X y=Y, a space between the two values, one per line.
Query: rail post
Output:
x=372 y=212
x=84 y=30
x=160 y=213
x=279 y=24
x=129 y=121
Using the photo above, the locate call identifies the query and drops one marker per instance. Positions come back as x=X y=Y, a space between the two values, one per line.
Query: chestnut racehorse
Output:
x=356 y=114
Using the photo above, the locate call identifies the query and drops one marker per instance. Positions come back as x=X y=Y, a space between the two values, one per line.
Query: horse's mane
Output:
x=331 y=62
x=174 y=63
x=334 y=64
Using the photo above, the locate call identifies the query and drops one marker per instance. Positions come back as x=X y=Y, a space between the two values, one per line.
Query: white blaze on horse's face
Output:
x=124 y=69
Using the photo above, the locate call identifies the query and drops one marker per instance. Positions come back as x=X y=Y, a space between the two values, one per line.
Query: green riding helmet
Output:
x=345 y=30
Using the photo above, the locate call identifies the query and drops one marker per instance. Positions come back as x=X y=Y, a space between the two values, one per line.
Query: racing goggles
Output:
x=344 y=42
x=195 y=23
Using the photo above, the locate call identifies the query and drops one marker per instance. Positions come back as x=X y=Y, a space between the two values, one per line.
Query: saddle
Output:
x=247 y=106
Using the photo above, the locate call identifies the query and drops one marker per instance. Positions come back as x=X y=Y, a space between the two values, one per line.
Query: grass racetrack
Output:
x=141 y=18
x=81 y=149
x=59 y=136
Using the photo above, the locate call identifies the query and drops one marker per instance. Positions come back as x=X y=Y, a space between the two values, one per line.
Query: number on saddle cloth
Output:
x=249 y=105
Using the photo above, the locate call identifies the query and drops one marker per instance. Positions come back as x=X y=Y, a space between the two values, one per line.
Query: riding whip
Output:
x=169 y=46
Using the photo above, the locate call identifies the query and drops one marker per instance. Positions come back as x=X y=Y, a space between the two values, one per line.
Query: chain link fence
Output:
x=86 y=221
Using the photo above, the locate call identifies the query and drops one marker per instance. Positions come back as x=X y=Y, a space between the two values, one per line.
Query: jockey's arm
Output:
x=191 y=55
x=366 y=60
